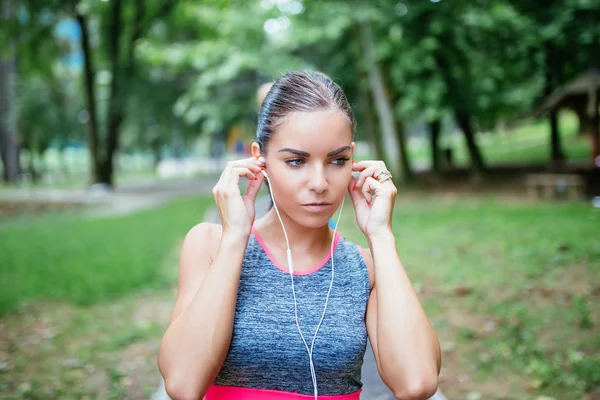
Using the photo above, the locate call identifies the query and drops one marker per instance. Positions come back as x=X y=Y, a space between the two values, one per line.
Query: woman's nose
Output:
x=318 y=180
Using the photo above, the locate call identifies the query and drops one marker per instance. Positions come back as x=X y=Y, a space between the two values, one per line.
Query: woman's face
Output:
x=309 y=162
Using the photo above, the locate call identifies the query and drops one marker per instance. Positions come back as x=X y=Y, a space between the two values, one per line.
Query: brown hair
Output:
x=299 y=91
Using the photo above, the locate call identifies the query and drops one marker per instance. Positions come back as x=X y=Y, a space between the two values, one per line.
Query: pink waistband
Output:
x=216 y=392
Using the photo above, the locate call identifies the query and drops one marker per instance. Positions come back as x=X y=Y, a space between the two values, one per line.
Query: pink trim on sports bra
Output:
x=285 y=269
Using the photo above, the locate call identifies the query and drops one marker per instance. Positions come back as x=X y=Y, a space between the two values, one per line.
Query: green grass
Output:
x=533 y=269
x=103 y=351
x=526 y=143
x=66 y=257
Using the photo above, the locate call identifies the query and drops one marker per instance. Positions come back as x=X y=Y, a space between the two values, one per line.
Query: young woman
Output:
x=281 y=307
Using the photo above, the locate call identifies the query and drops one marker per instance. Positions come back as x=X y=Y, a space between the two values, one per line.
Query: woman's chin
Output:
x=311 y=220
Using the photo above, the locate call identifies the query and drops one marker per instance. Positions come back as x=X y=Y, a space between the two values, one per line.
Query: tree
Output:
x=382 y=102
x=221 y=57
x=9 y=142
x=123 y=25
x=466 y=58
x=567 y=41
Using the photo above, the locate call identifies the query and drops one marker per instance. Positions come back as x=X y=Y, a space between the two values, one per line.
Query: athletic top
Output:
x=267 y=358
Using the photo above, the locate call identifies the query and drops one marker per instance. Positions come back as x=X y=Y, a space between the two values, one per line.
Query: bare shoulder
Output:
x=197 y=254
x=203 y=238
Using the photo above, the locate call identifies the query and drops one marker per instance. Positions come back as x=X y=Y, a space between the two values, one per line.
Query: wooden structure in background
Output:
x=583 y=90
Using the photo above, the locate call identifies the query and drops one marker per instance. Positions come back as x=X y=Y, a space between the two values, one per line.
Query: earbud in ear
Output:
x=261 y=159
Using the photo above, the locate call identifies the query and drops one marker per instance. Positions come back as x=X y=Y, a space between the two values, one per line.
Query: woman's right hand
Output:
x=237 y=212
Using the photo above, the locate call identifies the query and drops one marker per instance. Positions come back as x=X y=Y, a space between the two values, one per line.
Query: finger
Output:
x=362 y=165
x=252 y=160
x=370 y=171
x=226 y=175
x=355 y=195
x=236 y=173
x=359 y=166
x=251 y=164
x=254 y=187
x=371 y=184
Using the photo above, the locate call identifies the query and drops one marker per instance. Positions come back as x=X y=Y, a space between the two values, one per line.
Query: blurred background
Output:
x=116 y=118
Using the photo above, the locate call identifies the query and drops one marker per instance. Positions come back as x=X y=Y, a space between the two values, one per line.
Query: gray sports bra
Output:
x=266 y=350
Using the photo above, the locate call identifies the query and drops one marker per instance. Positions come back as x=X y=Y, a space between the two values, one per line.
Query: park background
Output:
x=117 y=117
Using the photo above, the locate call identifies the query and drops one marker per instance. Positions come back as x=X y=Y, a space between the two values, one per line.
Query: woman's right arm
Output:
x=195 y=345
x=196 y=342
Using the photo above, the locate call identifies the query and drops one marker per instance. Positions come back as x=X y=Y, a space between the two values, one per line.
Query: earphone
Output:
x=291 y=272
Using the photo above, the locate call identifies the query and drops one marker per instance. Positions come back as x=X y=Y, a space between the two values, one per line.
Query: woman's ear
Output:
x=255 y=150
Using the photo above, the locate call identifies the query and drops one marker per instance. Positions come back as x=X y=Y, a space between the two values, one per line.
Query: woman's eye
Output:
x=296 y=162
x=340 y=161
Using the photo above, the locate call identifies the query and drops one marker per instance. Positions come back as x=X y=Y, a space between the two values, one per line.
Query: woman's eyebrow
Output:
x=305 y=154
x=297 y=152
x=338 y=151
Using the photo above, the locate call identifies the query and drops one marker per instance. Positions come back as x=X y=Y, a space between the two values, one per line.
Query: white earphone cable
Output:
x=291 y=271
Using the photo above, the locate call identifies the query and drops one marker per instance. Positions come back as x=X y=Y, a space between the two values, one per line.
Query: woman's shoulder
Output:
x=206 y=230
x=204 y=236
x=365 y=252
x=366 y=256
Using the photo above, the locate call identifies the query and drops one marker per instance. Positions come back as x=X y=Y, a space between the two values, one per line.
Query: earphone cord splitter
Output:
x=291 y=271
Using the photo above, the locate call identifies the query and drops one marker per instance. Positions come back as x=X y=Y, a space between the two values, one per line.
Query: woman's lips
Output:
x=316 y=207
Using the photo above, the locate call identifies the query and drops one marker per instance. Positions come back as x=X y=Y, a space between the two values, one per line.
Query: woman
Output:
x=243 y=326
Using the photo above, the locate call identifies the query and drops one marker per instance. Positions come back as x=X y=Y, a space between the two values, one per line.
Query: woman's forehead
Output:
x=319 y=131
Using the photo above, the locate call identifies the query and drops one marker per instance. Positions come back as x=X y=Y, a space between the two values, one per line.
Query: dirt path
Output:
x=123 y=200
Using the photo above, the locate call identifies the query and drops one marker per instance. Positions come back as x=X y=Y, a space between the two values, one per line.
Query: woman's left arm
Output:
x=405 y=346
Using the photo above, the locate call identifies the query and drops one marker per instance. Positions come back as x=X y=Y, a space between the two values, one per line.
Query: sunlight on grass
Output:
x=526 y=143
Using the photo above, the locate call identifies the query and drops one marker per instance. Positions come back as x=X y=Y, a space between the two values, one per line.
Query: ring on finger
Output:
x=383 y=176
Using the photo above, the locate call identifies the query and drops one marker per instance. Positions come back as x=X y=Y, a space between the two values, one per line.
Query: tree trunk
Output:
x=122 y=70
x=464 y=122
x=399 y=126
x=435 y=127
x=115 y=105
x=557 y=155
x=462 y=116
x=9 y=143
x=155 y=146
x=409 y=175
x=370 y=124
x=106 y=172
x=382 y=103
x=595 y=135
x=366 y=100
x=32 y=171
x=90 y=93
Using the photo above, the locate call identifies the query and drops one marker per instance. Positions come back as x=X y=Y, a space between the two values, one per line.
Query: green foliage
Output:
x=471 y=56
x=198 y=65
x=42 y=124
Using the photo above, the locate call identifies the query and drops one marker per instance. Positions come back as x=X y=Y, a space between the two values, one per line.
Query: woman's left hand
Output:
x=373 y=211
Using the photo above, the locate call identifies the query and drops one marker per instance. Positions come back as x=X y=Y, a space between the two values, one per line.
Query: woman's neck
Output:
x=302 y=239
